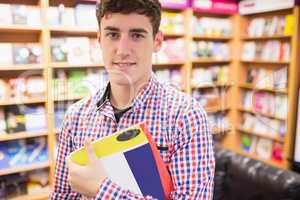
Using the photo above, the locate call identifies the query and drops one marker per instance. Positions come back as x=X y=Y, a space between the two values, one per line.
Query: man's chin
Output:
x=121 y=80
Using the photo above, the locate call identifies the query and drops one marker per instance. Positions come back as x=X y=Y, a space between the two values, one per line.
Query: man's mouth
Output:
x=124 y=64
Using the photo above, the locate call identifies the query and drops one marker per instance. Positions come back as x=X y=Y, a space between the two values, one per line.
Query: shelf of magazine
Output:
x=21 y=135
x=253 y=87
x=24 y=168
x=264 y=135
x=261 y=114
x=21 y=67
x=21 y=101
x=267 y=161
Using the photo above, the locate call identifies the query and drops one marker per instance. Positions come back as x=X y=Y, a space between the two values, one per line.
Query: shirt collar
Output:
x=140 y=99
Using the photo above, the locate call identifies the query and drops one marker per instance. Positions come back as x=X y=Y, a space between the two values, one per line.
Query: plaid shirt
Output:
x=178 y=125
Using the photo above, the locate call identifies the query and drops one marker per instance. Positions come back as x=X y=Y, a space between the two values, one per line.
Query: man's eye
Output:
x=137 y=36
x=112 y=35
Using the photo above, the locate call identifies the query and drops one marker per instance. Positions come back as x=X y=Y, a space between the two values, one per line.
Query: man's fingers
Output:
x=90 y=152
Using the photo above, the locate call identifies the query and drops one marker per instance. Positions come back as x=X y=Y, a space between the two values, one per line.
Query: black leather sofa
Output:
x=241 y=178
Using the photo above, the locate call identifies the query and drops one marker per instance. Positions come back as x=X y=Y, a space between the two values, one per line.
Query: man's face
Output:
x=127 y=44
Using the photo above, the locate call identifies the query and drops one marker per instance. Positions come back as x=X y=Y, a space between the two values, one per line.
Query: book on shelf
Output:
x=6 y=57
x=172 y=22
x=35 y=87
x=78 y=50
x=19 y=14
x=6 y=15
x=59 y=50
x=15 y=119
x=18 y=153
x=38 y=182
x=82 y=16
x=248 y=143
x=27 y=53
x=170 y=77
x=270 y=26
x=4 y=90
x=212 y=50
x=95 y=52
x=211 y=26
x=33 y=16
x=118 y=154
x=272 y=50
x=2 y=122
x=169 y=51
x=289 y=25
x=264 y=148
x=263 y=125
x=36 y=114
x=266 y=78
x=66 y=16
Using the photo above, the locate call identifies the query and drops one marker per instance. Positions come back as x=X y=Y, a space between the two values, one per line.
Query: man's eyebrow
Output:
x=138 y=30
x=111 y=28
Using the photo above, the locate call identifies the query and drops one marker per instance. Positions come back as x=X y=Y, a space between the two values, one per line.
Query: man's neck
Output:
x=121 y=96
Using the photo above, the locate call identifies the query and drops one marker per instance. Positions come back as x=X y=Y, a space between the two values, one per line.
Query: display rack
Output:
x=230 y=89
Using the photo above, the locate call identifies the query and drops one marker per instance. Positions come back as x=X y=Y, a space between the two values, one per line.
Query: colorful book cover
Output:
x=131 y=160
x=289 y=25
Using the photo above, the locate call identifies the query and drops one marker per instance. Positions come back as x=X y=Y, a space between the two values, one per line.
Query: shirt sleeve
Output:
x=192 y=163
x=61 y=188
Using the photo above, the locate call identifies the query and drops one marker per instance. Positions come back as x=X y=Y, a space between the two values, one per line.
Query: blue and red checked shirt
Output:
x=178 y=125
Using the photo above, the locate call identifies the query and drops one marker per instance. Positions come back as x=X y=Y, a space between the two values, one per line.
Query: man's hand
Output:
x=86 y=180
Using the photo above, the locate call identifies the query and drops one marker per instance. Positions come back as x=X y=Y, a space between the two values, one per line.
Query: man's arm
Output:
x=192 y=164
x=61 y=188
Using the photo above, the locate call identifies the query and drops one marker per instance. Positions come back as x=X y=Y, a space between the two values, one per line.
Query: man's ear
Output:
x=99 y=37
x=158 y=40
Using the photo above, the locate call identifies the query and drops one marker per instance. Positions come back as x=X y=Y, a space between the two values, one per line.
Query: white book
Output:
x=78 y=50
x=6 y=14
x=67 y=17
x=6 y=57
x=85 y=16
x=34 y=16
x=53 y=16
x=2 y=122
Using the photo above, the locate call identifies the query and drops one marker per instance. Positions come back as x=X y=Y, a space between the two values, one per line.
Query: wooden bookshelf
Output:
x=73 y=31
x=68 y=65
x=209 y=61
x=273 y=37
x=267 y=62
x=22 y=67
x=19 y=29
x=8 y=102
x=267 y=161
x=42 y=196
x=255 y=88
x=24 y=168
x=213 y=85
x=215 y=109
x=232 y=141
x=261 y=114
x=44 y=33
x=212 y=38
x=21 y=135
x=264 y=135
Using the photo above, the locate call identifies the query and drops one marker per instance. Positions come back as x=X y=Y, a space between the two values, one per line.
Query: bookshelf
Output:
x=255 y=105
x=226 y=106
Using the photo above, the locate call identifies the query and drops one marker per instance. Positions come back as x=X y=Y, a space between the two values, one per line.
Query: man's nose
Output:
x=123 y=47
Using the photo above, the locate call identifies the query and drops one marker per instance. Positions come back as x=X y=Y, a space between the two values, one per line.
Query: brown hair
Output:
x=149 y=8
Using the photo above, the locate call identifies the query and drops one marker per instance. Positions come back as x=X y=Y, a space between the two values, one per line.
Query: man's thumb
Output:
x=90 y=152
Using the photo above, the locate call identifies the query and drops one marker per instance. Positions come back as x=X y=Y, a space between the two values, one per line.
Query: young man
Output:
x=129 y=34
